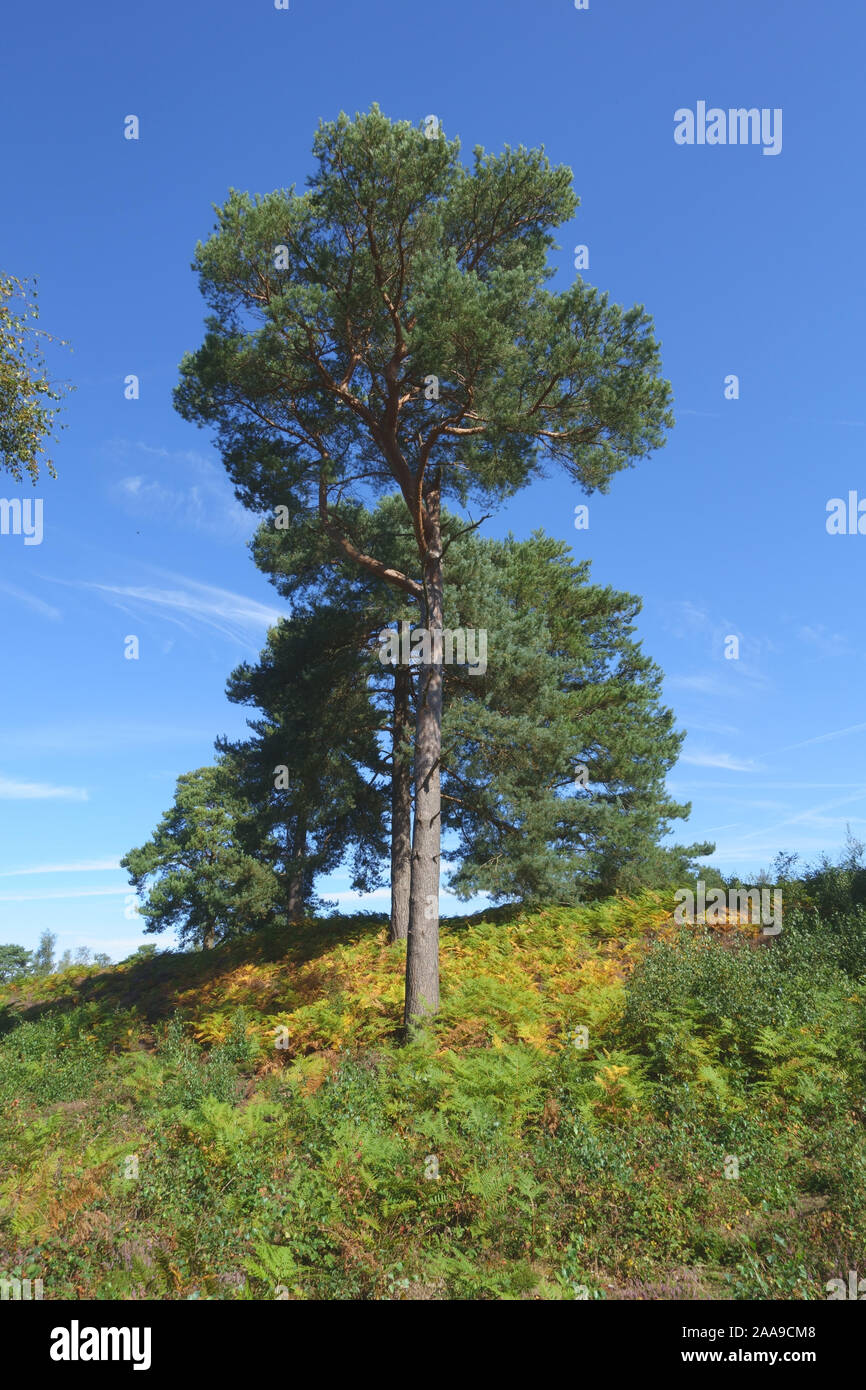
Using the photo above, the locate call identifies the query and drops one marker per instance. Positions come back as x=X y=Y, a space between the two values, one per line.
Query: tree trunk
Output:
x=295 y=901
x=422 y=955
x=401 y=810
x=209 y=937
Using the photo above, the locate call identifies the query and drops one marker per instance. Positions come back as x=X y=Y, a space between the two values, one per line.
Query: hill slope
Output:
x=607 y=1107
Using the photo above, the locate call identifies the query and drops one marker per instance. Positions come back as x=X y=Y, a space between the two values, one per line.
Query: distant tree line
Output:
x=17 y=962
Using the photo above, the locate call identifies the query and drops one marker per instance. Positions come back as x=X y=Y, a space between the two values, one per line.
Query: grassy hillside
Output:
x=156 y=1143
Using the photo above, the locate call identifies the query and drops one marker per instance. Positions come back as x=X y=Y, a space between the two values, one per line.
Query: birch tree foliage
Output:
x=28 y=397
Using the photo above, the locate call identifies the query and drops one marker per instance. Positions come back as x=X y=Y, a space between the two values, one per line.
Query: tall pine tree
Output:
x=391 y=327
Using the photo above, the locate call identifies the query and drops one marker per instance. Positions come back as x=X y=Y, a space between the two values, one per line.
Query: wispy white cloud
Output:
x=823 y=738
x=193 y=605
x=761 y=855
x=84 y=866
x=206 y=503
x=92 y=735
x=825 y=642
x=38 y=791
x=684 y=618
x=810 y=816
x=70 y=893
x=46 y=610
x=792 y=787
x=710 y=726
x=725 y=760
x=723 y=674
x=708 y=684
x=726 y=678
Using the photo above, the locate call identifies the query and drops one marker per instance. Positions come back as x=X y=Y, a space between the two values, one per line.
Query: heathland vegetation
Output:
x=607 y=1105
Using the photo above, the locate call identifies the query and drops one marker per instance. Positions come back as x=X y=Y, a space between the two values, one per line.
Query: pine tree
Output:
x=193 y=869
x=554 y=759
x=311 y=775
x=391 y=327
x=317 y=578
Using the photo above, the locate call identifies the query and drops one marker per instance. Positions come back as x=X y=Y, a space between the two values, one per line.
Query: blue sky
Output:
x=750 y=264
